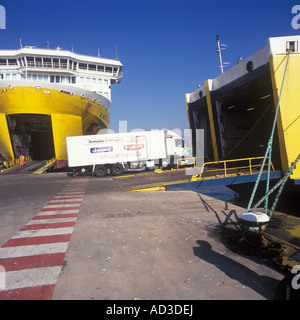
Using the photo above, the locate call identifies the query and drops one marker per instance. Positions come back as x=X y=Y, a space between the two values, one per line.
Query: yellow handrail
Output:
x=226 y=168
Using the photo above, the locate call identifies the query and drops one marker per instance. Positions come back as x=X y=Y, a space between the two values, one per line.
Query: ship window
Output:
x=51 y=78
x=73 y=79
x=46 y=78
x=105 y=81
x=94 y=80
x=7 y=76
x=55 y=63
x=63 y=79
x=1 y=76
x=57 y=79
x=63 y=63
x=34 y=77
x=83 y=66
x=38 y=62
x=115 y=70
x=106 y=94
x=81 y=79
x=292 y=46
x=30 y=61
x=92 y=67
x=29 y=77
x=23 y=77
x=40 y=77
x=108 y=69
x=88 y=80
x=100 y=68
x=14 y=76
x=47 y=63
x=100 y=81
x=12 y=62
x=74 y=65
x=3 y=62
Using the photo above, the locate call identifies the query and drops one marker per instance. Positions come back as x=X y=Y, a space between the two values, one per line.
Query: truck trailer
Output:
x=117 y=152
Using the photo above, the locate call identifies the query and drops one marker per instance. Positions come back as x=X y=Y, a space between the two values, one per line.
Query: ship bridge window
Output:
x=47 y=63
x=108 y=69
x=38 y=62
x=92 y=67
x=55 y=63
x=30 y=61
x=100 y=68
x=74 y=65
x=12 y=62
x=64 y=63
x=1 y=76
x=115 y=70
x=3 y=62
x=83 y=66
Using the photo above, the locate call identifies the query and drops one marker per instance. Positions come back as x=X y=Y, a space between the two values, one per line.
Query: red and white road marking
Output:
x=33 y=258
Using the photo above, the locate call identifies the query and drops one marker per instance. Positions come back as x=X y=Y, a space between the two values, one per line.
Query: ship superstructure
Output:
x=236 y=110
x=48 y=94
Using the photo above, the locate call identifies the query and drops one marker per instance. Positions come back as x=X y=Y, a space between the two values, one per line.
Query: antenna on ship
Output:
x=21 y=43
x=117 y=52
x=219 y=49
x=98 y=52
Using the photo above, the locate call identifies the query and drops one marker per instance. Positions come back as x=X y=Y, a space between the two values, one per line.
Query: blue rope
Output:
x=268 y=151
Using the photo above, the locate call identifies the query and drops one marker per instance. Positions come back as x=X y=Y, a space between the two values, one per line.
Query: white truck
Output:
x=122 y=151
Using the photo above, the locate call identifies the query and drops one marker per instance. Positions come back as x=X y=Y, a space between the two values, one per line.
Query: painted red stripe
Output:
x=56 y=216
x=30 y=262
x=37 y=240
x=48 y=225
x=30 y=293
x=59 y=209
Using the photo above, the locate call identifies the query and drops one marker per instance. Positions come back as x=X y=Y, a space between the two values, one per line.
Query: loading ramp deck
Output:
x=220 y=173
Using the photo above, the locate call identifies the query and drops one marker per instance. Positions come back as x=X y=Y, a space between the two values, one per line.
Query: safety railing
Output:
x=232 y=167
x=186 y=161
x=14 y=163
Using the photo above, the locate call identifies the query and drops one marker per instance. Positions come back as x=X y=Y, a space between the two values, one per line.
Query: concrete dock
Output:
x=153 y=245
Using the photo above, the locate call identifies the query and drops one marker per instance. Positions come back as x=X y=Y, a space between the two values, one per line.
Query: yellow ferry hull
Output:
x=236 y=110
x=70 y=114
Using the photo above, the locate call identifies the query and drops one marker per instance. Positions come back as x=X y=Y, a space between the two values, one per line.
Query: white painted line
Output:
x=31 y=277
x=46 y=221
x=43 y=232
x=65 y=200
x=62 y=212
x=33 y=250
x=69 y=197
x=66 y=205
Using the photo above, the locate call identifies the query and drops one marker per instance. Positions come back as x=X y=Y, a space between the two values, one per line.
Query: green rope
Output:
x=280 y=184
x=268 y=151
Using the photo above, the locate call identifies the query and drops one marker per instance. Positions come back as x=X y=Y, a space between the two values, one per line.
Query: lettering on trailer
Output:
x=132 y=147
x=101 y=149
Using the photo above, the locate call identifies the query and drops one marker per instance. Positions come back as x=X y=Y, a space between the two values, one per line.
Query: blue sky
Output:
x=167 y=47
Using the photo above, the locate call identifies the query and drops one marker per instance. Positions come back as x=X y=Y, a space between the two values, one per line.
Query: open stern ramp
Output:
x=230 y=172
